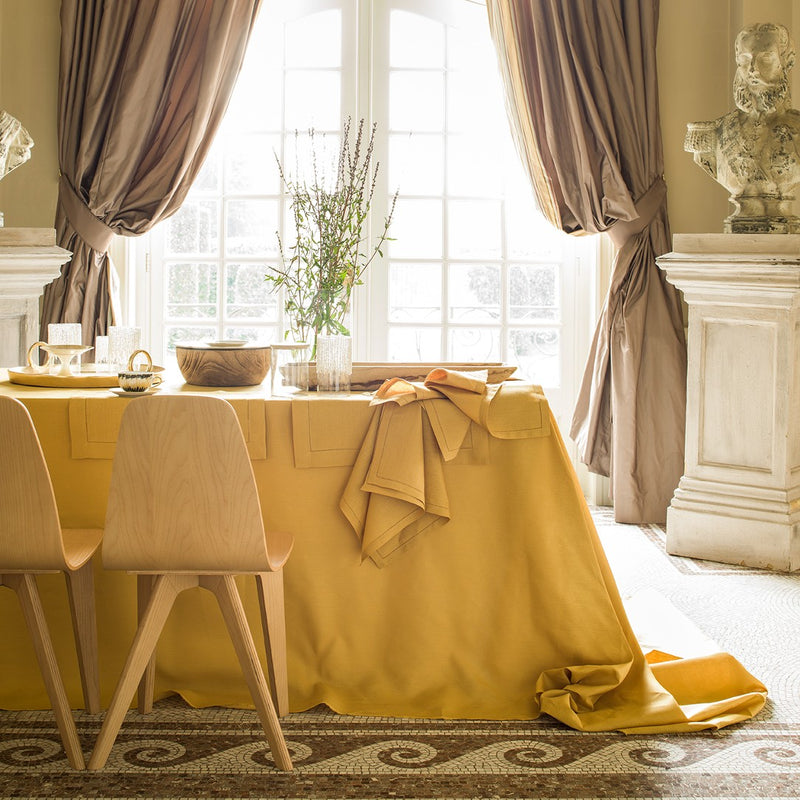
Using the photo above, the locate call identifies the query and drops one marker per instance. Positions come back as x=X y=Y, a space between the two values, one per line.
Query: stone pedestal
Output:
x=29 y=260
x=739 y=498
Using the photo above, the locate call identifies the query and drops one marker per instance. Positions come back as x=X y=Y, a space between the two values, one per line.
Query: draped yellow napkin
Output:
x=396 y=489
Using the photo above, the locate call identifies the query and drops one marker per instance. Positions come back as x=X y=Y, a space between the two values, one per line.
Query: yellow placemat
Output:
x=94 y=425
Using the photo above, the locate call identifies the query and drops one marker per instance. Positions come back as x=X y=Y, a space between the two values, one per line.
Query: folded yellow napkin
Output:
x=397 y=487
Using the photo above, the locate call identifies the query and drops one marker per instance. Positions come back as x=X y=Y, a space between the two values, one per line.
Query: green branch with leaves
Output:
x=331 y=253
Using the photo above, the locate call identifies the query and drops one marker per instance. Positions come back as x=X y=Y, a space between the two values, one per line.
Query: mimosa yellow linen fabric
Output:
x=507 y=611
x=397 y=488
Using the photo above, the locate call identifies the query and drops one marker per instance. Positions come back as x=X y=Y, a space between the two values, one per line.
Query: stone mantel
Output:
x=739 y=498
x=717 y=265
x=29 y=260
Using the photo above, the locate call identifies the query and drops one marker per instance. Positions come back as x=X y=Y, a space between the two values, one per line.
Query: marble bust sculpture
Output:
x=15 y=143
x=754 y=151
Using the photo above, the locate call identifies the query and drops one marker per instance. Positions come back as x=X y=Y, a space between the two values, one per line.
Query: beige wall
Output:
x=29 y=45
x=695 y=72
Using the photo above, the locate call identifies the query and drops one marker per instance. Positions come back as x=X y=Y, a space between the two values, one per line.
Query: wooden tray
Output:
x=368 y=375
x=85 y=380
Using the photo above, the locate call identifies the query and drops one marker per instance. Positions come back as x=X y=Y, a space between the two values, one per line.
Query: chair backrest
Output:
x=183 y=496
x=30 y=532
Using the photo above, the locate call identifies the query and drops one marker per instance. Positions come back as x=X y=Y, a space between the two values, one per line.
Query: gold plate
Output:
x=85 y=380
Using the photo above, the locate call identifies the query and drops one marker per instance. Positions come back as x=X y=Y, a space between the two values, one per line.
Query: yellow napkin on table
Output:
x=396 y=489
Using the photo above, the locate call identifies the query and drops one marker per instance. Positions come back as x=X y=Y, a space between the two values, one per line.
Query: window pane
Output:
x=257 y=100
x=313 y=100
x=529 y=234
x=315 y=40
x=474 y=344
x=194 y=229
x=208 y=179
x=192 y=290
x=250 y=227
x=473 y=167
x=416 y=163
x=415 y=292
x=304 y=153
x=250 y=165
x=247 y=294
x=537 y=353
x=416 y=101
x=415 y=41
x=261 y=335
x=417 y=229
x=475 y=292
x=265 y=114
x=533 y=293
x=187 y=334
x=473 y=229
x=415 y=344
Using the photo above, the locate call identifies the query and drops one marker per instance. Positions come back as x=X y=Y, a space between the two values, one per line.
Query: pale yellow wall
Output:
x=29 y=50
x=696 y=66
x=695 y=73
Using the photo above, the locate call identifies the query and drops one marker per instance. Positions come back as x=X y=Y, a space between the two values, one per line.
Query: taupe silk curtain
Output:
x=582 y=97
x=143 y=87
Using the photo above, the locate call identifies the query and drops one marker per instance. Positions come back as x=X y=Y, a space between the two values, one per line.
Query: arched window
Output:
x=473 y=273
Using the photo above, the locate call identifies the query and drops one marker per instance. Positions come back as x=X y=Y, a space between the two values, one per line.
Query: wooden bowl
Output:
x=202 y=365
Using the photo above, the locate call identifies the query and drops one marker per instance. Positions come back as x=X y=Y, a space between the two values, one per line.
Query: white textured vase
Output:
x=334 y=362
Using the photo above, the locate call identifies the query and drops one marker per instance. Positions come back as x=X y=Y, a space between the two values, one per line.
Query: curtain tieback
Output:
x=646 y=207
x=92 y=230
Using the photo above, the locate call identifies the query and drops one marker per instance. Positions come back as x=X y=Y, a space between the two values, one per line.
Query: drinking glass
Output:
x=122 y=341
x=334 y=362
x=64 y=333
x=288 y=367
x=101 y=353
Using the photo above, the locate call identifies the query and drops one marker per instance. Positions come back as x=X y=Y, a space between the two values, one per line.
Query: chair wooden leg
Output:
x=224 y=588
x=27 y=592
x=165 y=589
x=80 y=589
x=144 y=585
x=273 y=622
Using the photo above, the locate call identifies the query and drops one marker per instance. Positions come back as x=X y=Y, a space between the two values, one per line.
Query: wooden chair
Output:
x=183 y=511
x=32 y=541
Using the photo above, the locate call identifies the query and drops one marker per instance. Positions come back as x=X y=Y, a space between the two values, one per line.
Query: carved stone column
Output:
x=29 y=260
x=739 y=498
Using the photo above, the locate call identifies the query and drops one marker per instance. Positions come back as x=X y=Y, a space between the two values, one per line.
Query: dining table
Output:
x=445 y=565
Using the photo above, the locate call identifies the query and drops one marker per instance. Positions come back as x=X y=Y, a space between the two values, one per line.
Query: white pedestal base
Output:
x=733 y=526
x=739 y=498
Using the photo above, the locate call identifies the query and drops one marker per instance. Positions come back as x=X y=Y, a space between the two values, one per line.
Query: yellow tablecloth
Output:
x=507 y=610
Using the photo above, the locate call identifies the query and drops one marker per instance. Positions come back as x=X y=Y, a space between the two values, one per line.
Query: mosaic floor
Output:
x=178 y=752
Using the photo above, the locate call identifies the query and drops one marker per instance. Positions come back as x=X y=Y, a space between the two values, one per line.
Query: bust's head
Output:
x=764 y=56
x=15 y=143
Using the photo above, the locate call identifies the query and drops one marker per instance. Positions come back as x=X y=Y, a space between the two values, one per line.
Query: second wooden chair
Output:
x=183 y=508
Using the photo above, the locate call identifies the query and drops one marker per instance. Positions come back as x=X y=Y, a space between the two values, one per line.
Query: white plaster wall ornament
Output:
x=754 y=151
x=15 y=146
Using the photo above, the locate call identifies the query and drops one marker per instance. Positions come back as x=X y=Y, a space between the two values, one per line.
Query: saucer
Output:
x=123 y=393
x=228 y=343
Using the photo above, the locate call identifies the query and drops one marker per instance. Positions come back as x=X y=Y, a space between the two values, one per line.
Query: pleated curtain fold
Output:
x=142 y=90
x=582 y=98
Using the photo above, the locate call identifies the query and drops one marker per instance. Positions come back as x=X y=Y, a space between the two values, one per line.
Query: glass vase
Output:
x=334 y=362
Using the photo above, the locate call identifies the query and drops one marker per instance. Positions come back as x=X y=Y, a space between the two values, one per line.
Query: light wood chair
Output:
x=183 y=511
x=32 y=541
